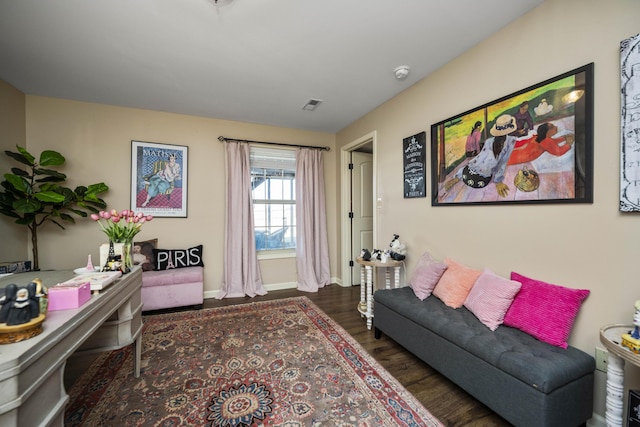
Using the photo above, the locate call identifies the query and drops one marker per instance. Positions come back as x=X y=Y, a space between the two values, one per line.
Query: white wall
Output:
x=590 y=246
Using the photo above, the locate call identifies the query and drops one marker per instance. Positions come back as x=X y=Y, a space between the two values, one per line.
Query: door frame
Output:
x=346 y=194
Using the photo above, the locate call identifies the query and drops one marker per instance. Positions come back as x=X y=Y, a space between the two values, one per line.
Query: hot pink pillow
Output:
x=426 y=275
x=491 y=297
x=545 y=311
x=455 y=283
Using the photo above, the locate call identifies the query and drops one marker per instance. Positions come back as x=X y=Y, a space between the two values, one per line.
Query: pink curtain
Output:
x=312 y=248
x=241 y=269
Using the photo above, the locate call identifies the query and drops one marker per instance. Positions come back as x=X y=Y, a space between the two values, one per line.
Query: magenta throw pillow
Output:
x=426 y=275
x=491 y=297
x=544 y=310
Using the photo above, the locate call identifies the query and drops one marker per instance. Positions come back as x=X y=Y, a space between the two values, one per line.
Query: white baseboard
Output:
x=271 y=287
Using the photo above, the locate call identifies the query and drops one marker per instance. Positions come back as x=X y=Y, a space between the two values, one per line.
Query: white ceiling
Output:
x=255 y=61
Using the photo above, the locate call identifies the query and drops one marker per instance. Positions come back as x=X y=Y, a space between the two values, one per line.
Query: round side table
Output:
x=611 y=338
x=365 y=307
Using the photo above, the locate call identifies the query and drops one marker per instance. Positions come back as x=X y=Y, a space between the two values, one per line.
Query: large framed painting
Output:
x=159 y=179
x=630 y=132
x=532 y=146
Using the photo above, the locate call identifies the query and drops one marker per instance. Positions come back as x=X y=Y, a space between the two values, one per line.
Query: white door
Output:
x=361 y=207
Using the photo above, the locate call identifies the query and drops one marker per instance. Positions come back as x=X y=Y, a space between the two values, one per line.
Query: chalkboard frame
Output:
x=414 y=161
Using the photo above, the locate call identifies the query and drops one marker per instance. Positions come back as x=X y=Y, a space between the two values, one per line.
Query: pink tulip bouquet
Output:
x=122 y=226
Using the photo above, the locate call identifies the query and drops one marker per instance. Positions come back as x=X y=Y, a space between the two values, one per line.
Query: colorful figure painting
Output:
x=533 y=146
x=159 y=179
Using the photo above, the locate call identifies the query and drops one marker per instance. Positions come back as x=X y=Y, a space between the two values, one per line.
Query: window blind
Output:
x=273 y=158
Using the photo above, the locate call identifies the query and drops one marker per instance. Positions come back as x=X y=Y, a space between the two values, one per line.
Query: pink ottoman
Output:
x=176 y=287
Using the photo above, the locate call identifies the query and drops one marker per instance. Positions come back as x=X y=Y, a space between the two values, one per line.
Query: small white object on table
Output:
x=365 y=307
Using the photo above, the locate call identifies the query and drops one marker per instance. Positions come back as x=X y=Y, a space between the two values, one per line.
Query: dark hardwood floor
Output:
x=449 y=403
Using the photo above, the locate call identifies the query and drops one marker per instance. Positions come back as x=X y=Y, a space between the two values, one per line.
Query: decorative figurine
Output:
x=7 y=301
x=398 y=250
x=636 y=321
x=376 y=255
x=89 y=266
x=41 y=293
x=34 y=303
x=20 y=311
x=632 y=339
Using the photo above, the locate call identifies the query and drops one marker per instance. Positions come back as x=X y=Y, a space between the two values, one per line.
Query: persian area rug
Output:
x=273 y=363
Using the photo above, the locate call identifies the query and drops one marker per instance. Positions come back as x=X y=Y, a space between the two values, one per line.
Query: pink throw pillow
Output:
x=544 y=310
x=455 y=283
x=491 y=297
x=426 y=275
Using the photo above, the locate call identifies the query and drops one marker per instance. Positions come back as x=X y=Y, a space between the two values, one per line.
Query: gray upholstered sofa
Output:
x=525 y=381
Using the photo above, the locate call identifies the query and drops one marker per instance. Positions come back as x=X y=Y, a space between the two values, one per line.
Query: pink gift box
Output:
x=62 y=297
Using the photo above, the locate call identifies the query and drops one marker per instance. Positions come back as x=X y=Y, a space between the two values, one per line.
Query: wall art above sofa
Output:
x=532 y=146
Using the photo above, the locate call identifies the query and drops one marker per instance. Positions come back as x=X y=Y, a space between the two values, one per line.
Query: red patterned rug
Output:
x=273 y=363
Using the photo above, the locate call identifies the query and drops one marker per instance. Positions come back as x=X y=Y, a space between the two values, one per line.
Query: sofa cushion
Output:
x=543 y=366
x=490 y=298
x=544 y=310
x=426 y=275
x=172 y=277
x=178 y=258
x=455 y=284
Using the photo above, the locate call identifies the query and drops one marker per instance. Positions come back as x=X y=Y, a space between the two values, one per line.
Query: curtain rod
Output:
x=224 y=139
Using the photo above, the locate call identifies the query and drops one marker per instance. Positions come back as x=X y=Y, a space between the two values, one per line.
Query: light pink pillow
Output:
x=545 y=311
x=426 y=275
x=455 y=283
x=490 y=298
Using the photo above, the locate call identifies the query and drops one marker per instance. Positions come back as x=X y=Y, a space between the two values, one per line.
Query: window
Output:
x=273 y=180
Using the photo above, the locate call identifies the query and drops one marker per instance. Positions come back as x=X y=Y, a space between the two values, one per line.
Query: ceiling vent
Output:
x=312 y=104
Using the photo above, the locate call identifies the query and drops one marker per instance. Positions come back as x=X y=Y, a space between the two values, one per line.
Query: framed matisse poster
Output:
x=159 y=179
x=532 y=146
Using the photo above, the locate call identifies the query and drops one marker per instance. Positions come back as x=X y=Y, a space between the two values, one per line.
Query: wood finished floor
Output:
x=449 y=403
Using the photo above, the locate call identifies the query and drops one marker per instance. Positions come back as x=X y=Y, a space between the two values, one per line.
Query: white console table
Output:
x=365 y=307
x=611 y=337
x=32 y=371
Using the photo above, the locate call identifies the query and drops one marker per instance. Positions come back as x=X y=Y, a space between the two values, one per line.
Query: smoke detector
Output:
x=401 y=72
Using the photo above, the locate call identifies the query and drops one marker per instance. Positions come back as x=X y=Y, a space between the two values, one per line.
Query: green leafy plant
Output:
x=34 y=196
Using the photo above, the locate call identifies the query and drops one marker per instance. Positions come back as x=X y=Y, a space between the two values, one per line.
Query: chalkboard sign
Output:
x=415 y=160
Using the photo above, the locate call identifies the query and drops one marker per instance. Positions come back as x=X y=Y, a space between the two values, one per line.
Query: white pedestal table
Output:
x=611 y=337
x=365 y=307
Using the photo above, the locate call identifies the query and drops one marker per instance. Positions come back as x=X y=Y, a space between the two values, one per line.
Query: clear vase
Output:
x=127 y=257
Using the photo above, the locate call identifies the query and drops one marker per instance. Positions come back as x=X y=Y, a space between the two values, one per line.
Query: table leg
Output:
x=615 y=390
x=137 y=355
x=396 y=279
x=363 y=290
x=369 y=296
x=387 y=278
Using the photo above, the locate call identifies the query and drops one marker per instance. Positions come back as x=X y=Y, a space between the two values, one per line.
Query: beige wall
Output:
x=12 y=133
x=96 y=140
x=591 y=246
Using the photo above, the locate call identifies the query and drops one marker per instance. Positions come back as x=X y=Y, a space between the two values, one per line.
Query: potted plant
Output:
x=35 y=195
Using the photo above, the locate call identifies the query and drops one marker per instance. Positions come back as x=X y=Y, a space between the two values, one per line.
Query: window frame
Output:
x=274 y=159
